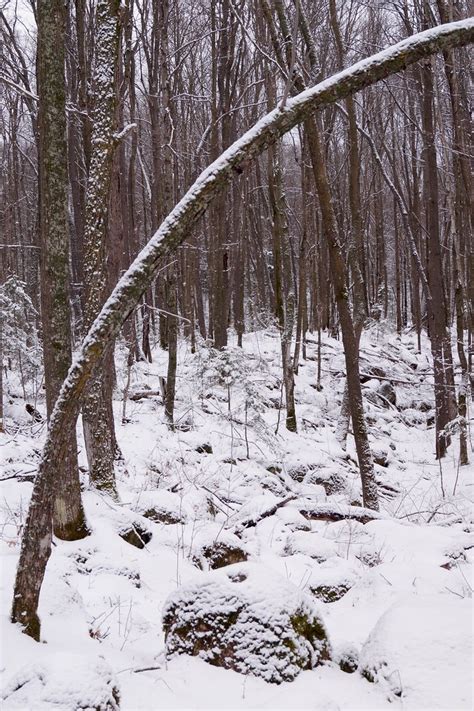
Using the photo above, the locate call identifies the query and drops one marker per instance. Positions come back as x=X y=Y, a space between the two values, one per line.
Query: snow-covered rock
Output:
x=331 y=580
x=249 y=619
x=313 y=545
x=217 y=551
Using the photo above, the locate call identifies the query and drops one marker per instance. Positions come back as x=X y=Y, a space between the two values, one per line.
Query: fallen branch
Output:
x=140 y=394
x=21 y=476
x=328 y=512
x=252 y=522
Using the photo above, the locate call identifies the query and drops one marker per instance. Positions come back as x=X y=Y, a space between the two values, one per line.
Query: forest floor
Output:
x=407 y=576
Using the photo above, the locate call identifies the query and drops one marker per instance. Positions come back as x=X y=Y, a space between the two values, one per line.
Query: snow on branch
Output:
x=124 y=132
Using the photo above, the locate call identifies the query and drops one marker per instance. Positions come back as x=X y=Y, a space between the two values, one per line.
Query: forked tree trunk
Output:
x=36 y=541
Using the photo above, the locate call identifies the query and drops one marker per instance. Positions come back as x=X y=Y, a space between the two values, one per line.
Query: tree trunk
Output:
x=437 y=307
x=99 y=433
x=69 y=519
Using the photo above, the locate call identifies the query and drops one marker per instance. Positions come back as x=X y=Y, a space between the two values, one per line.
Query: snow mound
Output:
x=249 y=619
x=67 y=682
x=313 y=545
x=421 y=650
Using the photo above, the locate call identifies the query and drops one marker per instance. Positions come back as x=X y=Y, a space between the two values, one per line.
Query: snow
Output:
x=51 y=685
x=407 y=652
x=102 y=601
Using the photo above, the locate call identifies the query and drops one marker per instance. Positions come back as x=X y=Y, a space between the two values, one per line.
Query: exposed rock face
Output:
x=387 y=391
x=220 y=554
x=136 y=534
x=248 y=619
x=330 y=593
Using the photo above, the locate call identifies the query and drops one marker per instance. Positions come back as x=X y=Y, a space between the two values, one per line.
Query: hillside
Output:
x=231 y=484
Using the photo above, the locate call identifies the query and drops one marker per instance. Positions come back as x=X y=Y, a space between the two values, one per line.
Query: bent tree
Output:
x=36 y=542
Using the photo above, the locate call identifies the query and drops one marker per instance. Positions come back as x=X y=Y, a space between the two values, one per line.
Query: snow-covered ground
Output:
x=404 y=614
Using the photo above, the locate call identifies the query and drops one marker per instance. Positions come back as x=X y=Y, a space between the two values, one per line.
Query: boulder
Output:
x=331 y=580
x=292 y=519
x=136 y=534
x=248 y=619
x=372 y=371
x=381 y=456
x=331 y=592
x=387 y=391
x=204 y=448
x=298 y=473
x=347 y=657
x=422 y=405
x=332 y=481
x=213 y=553
x=313 y=545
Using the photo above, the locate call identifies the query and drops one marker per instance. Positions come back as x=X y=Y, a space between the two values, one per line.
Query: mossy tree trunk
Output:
x=69 y=520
